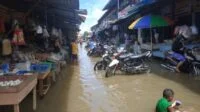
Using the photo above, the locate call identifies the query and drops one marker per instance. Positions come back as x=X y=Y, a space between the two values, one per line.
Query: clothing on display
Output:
x=6 y=47
x=45 y=33
x=15 y=22
x=18 y=37
x=39 y=30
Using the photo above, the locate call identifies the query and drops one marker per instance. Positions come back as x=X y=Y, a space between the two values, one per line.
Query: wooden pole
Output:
x=16 y=108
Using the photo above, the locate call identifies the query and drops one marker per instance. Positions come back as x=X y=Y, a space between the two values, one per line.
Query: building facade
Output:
x=182 y=12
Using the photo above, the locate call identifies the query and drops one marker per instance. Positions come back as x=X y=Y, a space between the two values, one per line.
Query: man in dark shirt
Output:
x=178 y=48
x=178 y=45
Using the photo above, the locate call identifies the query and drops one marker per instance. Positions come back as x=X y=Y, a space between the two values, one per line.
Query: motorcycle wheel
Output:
x=99 y=66
x=110 y=71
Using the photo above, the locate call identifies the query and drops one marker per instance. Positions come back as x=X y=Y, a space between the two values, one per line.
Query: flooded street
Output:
x=80 y=89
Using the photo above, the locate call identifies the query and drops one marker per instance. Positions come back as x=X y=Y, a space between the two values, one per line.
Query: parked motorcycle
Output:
x=106 y=58
x=191 y=64
x=129 y=63
x=98 y=50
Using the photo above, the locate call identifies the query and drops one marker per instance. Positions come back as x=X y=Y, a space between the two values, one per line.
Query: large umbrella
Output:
x=150 y=21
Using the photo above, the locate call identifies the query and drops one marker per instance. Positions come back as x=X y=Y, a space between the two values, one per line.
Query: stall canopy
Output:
x=56 y=12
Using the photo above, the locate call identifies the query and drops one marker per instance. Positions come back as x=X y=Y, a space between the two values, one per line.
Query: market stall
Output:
x=13 y=89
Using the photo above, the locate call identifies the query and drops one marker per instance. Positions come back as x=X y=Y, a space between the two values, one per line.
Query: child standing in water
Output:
x=165 y=104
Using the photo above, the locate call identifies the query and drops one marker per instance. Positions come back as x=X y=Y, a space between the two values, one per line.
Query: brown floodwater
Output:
x=80 y=89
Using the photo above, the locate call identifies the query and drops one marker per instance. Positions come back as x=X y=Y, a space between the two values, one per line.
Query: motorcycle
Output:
x=97 y=51
x=91 y=48
x=106 y=59
x=129 y=63
x=191 y=64
x=102 y=64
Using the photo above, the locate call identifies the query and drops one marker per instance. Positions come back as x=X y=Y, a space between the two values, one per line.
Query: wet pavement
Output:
x=80 y=89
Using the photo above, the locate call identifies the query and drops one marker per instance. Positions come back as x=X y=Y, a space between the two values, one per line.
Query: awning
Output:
x=110 y=4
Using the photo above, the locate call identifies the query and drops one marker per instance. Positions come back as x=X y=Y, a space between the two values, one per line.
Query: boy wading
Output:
x=165 y=103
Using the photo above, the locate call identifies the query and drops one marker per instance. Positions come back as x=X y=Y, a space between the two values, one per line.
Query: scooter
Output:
x=129 y=63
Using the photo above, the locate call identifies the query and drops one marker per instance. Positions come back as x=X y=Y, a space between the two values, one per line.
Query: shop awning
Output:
x=110 y=4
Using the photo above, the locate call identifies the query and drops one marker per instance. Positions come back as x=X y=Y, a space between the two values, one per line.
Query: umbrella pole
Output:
x=151 y=39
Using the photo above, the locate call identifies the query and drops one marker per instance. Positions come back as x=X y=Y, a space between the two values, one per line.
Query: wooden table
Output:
x=42 y=87
x=14 y=95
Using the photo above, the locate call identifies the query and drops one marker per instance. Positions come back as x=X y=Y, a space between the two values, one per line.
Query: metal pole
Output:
x=118 y=9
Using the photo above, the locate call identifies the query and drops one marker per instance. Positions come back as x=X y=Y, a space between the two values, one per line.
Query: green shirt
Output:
x=162 y=105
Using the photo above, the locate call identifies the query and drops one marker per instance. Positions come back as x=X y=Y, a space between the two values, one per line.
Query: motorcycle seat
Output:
x=140 y=55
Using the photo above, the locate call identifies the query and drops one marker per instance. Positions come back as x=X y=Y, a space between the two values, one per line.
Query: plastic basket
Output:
x=40 y=67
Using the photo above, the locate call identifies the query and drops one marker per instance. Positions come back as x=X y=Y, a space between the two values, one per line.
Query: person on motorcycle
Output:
x=178 y=46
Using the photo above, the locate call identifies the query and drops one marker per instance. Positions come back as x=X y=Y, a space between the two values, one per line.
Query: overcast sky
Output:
x=94 y=8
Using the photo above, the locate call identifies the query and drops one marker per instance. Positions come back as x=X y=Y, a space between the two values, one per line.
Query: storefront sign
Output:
x=133 y=7
x=124 y=13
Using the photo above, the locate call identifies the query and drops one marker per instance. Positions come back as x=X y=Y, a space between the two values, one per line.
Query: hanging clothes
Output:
x=45 y=33
x=18 y=37
x=39 y=30
x=6 y=47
